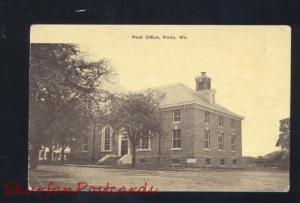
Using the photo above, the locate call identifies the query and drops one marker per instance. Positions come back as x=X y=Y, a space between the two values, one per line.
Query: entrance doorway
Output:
x=124 y=147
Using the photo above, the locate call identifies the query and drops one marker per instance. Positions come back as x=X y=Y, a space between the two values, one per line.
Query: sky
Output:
x=249 y=66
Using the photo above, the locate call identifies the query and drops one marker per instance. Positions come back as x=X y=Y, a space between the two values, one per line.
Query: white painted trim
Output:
x=175 y=149
x=106 y=150
x=143 y=150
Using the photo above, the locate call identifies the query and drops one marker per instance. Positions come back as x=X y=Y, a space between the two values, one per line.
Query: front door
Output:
x=124 y=147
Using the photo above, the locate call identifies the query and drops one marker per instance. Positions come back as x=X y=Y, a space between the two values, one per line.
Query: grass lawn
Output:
x=196 y=180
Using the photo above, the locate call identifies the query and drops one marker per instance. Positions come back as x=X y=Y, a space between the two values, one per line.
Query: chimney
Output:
x=202 y=82
x=203 y=88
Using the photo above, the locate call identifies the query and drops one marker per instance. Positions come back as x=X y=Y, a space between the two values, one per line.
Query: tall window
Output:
x=221 y=121
x=85 y=143
x=206 y=139
x=232 y=124
x=221 y=141
x=176 y=137
x=106 y=139
x=176 y=116
x=233 y=142
x=206 y=120
x=144 y=143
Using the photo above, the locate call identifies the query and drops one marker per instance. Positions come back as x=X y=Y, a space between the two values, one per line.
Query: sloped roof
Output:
x=179 y=94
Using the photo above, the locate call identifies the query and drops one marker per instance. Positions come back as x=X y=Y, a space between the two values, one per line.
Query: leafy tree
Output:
x=65 y=93
x=284 y=141
x=138 y=116
x=284 y=135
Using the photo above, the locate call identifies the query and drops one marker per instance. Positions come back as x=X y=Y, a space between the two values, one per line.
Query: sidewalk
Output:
x=155 y=169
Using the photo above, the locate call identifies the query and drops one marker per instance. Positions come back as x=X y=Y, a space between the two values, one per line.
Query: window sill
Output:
x=143 y=150
x=208 y=150
x=84 y=151
x=175 y=149
x=221 y=150
x=176 y=122
x=106 y=150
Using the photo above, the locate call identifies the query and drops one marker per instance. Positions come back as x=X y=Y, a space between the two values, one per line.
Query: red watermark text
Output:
x=15 y=189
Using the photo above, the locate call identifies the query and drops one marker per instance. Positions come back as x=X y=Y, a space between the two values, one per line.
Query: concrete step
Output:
x=110 y=161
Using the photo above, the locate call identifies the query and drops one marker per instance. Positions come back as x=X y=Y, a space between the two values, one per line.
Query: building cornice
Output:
x=204 y=108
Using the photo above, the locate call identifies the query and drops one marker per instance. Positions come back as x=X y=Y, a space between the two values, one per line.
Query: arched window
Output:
x=106 y=138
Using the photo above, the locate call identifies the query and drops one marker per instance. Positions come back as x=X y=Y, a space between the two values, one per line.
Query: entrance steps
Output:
x=112 y=160
x=109 y=160
x=125 y=159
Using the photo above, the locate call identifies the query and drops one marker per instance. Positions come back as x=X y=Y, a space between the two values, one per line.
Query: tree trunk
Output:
x=133 y=160
x=34 y=155
x=159 y=150
x=49 y=158
x=63 y=150
x=94 y=139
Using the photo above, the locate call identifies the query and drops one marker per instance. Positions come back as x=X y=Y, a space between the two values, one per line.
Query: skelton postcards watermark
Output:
x=15 y=189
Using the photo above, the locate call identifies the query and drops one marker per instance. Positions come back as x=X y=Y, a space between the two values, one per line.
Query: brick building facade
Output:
x=197 y=132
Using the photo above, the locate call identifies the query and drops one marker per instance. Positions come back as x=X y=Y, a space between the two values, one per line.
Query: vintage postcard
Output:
x=151 y=108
